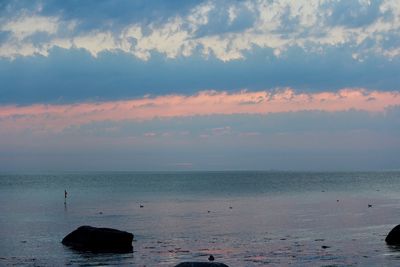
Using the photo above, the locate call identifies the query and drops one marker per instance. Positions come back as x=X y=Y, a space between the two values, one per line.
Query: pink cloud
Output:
x=40 y=117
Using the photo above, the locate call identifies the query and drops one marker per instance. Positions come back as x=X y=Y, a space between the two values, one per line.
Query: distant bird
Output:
x=211 y=258
x=369 y=206
x=141 y=206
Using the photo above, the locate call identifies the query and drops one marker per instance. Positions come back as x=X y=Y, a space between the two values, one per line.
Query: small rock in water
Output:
x=141 y=206
x=230 y=208
x=100 y=212
x=208 y=211
x=337 y=200
x=369 y=206
x=393 y=238
x=211 y=258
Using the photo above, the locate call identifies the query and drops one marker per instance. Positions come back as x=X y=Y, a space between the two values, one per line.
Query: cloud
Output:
x=59 y=55
x=224 y=29
x=26 y=26
x=303 y=140
x=69 y=76
x=56 y=118
x=354 y=13
x=34 y=35
x=95 y=42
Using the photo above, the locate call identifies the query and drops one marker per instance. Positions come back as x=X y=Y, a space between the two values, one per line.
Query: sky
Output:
x=103 y=85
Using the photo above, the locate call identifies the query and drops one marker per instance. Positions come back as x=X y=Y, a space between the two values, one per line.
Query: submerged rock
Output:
x=88 y=238
x=201 y=264
x=393 y=238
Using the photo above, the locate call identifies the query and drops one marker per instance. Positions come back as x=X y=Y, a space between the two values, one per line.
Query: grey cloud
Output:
x=219 y=21
x=236 y=125
x=67 y=76
x=288 y=141
x=353 y=13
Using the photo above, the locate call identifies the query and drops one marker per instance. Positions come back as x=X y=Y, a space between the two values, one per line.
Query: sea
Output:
x=242 y=218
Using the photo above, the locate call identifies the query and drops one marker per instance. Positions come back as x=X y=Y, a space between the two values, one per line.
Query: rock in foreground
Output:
x=393 y=238
x=201 y=264
x=88 y=238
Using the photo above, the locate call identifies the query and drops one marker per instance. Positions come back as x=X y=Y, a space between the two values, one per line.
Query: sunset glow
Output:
x=57 y=117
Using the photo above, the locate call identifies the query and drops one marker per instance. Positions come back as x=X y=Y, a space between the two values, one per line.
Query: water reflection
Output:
x=97 y=259
x=294 y=225
x=394 y=252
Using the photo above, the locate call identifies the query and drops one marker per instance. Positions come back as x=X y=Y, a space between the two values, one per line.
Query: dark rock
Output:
x=393 y=238
x=88 y=238
x=211 y=258
x=201 y=264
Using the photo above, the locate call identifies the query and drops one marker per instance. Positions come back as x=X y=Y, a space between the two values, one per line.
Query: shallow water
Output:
x=275 y=219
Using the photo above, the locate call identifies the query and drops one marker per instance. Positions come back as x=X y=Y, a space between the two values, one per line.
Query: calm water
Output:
x=276 y=219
